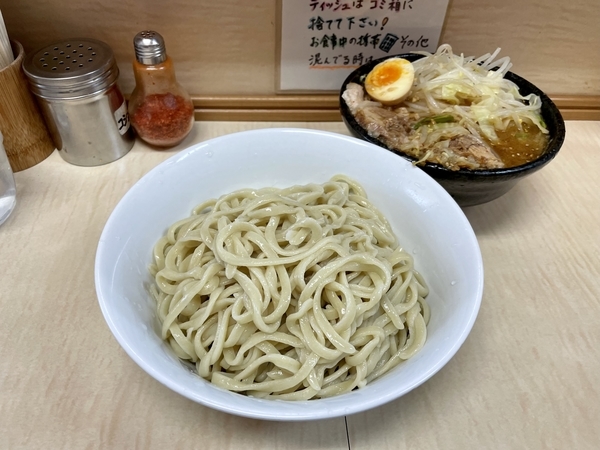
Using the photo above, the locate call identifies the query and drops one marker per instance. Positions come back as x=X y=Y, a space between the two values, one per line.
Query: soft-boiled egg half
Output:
x=390 y=81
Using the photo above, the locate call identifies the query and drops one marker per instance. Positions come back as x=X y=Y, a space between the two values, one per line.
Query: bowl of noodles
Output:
x=289 y=274
x=468 y=122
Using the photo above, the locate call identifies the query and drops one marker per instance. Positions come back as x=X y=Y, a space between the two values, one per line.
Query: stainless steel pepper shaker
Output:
x=75 y=81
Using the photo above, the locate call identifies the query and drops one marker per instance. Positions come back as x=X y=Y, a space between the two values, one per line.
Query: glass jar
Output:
x=8 y=193
x=160 y=110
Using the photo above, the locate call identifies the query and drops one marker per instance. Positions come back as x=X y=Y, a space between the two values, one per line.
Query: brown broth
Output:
x=517 y=147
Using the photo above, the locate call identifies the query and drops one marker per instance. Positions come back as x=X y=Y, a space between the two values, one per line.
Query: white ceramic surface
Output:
x=428 y=223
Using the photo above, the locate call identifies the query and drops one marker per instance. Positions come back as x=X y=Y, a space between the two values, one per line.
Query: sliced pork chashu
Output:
x=395 y=128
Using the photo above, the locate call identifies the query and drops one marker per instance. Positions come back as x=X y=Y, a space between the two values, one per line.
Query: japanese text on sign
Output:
x=342 y=35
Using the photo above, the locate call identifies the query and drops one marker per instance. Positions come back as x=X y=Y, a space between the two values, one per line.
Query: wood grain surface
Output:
x=26 y=138
x=228 y=47
x=326 y=107
x=526 y=378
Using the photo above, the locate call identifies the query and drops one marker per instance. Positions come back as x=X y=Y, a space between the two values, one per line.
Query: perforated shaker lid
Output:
x=149 y=47
x=71 y=69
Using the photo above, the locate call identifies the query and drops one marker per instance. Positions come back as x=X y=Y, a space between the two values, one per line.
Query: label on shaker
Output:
x=122 y=118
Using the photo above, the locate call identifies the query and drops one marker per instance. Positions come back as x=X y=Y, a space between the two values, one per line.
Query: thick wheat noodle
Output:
x=293 y=293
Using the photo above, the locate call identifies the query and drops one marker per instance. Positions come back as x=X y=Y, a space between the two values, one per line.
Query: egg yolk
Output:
x=385 y=74
x=390 y=81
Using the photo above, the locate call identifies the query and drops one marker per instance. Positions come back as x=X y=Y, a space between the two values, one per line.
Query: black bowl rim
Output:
x=549 y=109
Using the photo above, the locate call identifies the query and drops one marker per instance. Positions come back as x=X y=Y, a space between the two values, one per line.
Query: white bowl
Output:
x=427 y=221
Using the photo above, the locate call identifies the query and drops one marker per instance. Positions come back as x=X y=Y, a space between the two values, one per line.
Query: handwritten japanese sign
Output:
x=323 y=41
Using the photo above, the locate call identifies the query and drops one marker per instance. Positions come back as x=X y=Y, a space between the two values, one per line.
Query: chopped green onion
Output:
x=542 y=122
x=442 y=118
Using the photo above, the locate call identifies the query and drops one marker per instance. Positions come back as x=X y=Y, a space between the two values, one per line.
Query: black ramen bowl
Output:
x=469 y=187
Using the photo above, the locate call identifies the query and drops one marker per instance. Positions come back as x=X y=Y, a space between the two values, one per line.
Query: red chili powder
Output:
x=163 y=117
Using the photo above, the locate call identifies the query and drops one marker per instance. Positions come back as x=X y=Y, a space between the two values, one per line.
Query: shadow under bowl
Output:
x=469 y=187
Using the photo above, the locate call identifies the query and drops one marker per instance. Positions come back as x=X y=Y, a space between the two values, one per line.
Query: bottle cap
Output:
x=149 y=47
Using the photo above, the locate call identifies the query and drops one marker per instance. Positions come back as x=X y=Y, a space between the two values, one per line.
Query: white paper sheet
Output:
x=323 y=41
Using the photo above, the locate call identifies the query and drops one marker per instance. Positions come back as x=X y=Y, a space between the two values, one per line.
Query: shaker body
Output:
x=90 y=131
x=8 y=192
x=156 y=78
x=75 y=82
x=160 y=110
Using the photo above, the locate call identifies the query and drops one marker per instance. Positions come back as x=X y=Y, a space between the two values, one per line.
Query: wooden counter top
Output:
x=526 y=378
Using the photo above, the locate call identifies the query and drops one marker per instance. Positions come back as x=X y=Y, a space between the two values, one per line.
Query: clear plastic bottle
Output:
x=8 y=192
x=160 y=110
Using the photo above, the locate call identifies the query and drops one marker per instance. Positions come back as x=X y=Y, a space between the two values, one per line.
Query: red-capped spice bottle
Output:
x=160 y=110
